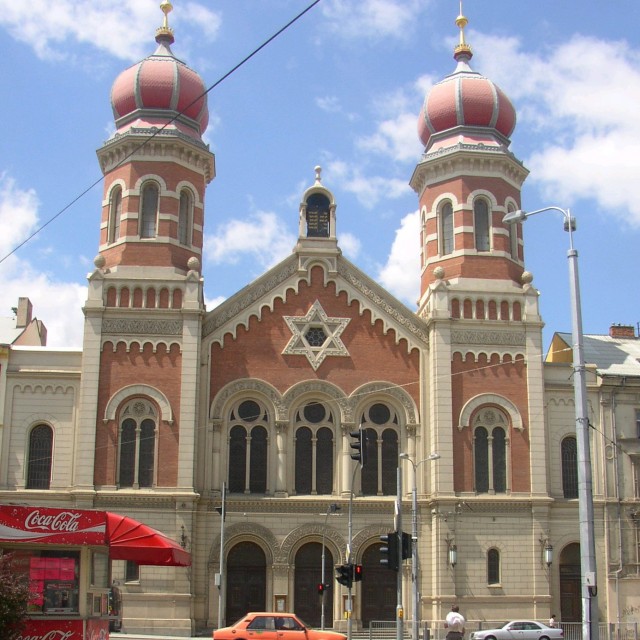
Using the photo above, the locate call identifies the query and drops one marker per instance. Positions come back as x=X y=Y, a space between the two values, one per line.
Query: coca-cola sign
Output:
x=46 y=525
x=61 y=521
x=54 y=634
x=52 y=630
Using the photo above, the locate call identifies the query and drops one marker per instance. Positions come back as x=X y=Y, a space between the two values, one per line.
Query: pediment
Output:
x=286 y=278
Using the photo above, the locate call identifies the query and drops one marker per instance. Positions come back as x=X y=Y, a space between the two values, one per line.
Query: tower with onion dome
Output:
x=484 y=367
x=144 y=309
x=467 y=180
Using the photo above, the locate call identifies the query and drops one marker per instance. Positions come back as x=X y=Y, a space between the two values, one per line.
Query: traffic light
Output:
x=389 y=550
x=344 y=574
x=359 y=444
x=357 y=572
x=321 y=588
x=406 y=545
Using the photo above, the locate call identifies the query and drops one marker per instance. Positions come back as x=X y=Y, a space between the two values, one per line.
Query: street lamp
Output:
x=414 y=538
x=585 y=489
x=332 y=508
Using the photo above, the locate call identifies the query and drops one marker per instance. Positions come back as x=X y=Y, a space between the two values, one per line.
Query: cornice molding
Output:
x=141 y=327
x=488 y=337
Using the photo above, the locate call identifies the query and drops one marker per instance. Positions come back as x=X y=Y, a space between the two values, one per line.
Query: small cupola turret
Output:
x=317 y=221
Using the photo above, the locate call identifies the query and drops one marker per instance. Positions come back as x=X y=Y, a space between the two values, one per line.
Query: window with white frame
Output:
x=185 y=217
x=513 y=237
x=490 y=444
x=115 y=213
x=381 y=425
x=137 y=444
x=248 y=447
x=635 y=470
x=40 y=455
x=569 y=454
x=493 y=567
x=149 y=210
x=131 y=571
x=314 y=445
x=481 y=224
x=446 y=229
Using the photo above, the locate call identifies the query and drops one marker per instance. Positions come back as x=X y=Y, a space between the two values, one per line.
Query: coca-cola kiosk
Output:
x=66 y=554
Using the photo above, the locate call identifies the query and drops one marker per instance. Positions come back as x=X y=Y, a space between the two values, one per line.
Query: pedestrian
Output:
x=454 y=624
x=552 y=621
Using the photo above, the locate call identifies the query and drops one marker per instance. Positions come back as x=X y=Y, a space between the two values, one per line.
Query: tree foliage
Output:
x=15 y=594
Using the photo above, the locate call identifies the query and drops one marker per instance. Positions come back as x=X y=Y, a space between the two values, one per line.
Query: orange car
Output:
x=273 y=626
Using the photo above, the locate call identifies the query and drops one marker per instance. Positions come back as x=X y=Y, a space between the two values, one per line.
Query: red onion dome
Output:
x=467 y=99
x=159 y=88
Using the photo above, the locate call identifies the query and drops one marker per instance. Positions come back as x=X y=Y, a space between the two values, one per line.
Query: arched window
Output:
x=40 y=453
x=149 y=210
x=248 y=448
x=490 y=451
x=569 y=453
x=137 y=443
x=258 y=460
x=513 y=237
x=237 y=459
x=493 y=567
x=115 y=214
x=446 y=229
x=481 y=224
x=318 y=216
x=381 y=425
x=185 y=217
x=314 y=445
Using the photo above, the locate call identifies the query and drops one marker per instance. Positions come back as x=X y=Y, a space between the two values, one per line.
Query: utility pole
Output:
x=398 y=528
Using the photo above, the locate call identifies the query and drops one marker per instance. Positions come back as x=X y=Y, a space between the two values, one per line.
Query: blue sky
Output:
x=342 y=89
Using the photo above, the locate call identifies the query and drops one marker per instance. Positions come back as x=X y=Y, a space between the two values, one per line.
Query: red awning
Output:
x=129 y=539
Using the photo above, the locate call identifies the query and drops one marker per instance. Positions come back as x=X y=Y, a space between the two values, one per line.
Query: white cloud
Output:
x=401 y=273
x=396 y=138
x=368 y=190
x=330 y=104
x=350 y=245
x=396 y=133
x=372 y=19
x=18 y=214
x=57 y=304
x=582 y=98
x=212 y=303
x=116 y=28
x=263 y=236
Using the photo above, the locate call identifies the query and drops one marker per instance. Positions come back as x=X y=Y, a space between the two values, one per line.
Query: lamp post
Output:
x=332 y=508
x=414 y=538
x=585 y=485
x=219 y=578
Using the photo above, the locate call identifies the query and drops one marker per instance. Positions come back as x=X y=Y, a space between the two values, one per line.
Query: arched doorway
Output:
x=307 y=577
x=379 y=588
x=246 y=581
x=570 y=589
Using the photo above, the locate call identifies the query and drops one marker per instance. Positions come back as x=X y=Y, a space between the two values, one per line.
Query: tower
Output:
x=145 y=301
x=483 y=381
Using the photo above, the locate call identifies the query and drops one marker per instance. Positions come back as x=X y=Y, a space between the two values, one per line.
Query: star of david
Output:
x=316 y=336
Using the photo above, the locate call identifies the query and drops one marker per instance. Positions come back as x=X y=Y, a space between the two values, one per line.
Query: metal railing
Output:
x=435 y=630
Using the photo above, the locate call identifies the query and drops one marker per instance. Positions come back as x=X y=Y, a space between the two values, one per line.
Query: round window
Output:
x=249 y=410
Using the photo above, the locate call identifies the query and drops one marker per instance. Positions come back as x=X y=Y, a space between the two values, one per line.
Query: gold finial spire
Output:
x=462 y=48
x=165 y=30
